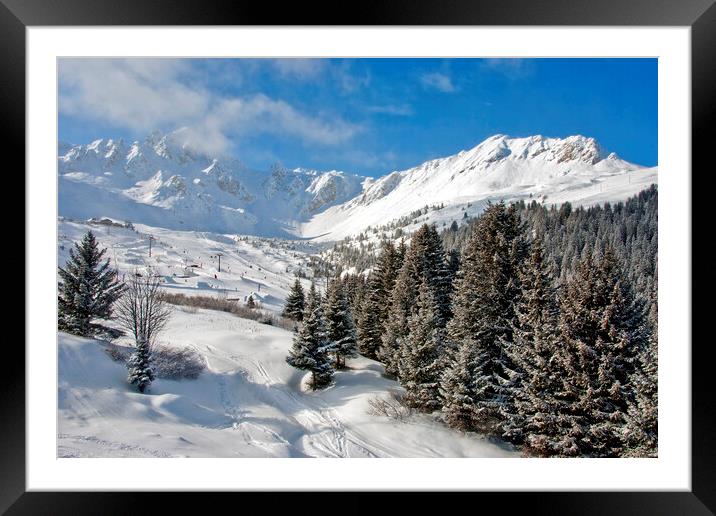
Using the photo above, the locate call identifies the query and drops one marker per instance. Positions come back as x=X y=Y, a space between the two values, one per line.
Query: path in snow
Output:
x=248 y=403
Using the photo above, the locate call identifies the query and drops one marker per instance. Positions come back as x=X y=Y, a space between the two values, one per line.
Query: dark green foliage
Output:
x=340 y=330
x=295 y=302
x=630 y=228
x=486 y=288
x=376 y=302
x=642 y=416
x=141 y=372
x=370 y=327
x=602 y=331
x=424 y=261
x=533 y=352
x=310 y=344
x=421 y=353
x=550 y=344
x=87 y=289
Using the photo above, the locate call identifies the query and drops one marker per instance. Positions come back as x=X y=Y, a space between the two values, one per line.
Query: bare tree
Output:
x=142 y=309
x=144 y=312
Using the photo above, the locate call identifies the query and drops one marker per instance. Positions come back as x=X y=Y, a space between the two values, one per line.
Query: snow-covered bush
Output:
x=175 y=363
x=118 y=353
x=226 y=305
x=391 y=406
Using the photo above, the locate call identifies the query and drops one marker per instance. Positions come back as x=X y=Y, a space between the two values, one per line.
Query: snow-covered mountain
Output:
x=163 y=182
x=549 y=170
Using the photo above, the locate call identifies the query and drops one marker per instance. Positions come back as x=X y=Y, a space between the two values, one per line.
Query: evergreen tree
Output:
x=453 y=263
x=533 y=376
x=424 y=261
x=375 y=308
x=340 y=330
x=87 y=289
x=295 y=302
x=250 y=303
x=386 y=272
x=602 y=330
x=141 y=372
x=642 y=416
x=486 y=288
x=458 y=389
x=310 y=344
x=422 y=353
x=355 y=291
x=369 y=320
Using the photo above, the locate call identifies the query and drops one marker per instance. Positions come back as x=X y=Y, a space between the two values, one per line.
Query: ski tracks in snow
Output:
x=119 y=449
x=322 y=433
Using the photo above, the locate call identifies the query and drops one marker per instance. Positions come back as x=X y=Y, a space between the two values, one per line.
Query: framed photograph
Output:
x=420 y=249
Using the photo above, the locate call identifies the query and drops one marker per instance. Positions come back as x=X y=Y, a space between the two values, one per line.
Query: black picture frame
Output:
x=700 y=15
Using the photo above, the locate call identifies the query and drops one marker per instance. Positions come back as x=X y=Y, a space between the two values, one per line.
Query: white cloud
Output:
x=348 y=78
x=138 y=94
x=438 y=81
x=511 y=67
x=299 y=68
x=148 y=94
x=263 y=114
x=392 y=109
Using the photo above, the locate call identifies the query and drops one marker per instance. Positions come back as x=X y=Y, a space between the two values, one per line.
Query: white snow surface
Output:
x=163 y=182
x=248 y=402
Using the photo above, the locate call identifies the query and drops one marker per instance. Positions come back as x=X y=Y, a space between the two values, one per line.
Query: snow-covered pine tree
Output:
x=457 y=388
x=340 y=329
x=642 y=417
x=310 y=345
x=140 y=368
x=401 y=250
x=453 y=263
x=438 y=274
x=295 y=302
x=531 y=408
x=386 y=272
x=376 y=302
x=602 y=329
x=87 y=289
x=424 y=259
x=355 y=291
x=485 y=290
x=369 y=324
x=422 y=353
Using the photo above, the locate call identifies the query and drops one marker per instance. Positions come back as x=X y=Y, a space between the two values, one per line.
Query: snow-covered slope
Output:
x=248 y=402
x=188 y=261
x=549 y=170
x=162 y=182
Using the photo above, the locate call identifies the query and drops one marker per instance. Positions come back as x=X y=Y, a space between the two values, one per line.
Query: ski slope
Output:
x=188 y=261
x=248 y=403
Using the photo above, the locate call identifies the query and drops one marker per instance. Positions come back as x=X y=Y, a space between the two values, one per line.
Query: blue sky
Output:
x=369 y=116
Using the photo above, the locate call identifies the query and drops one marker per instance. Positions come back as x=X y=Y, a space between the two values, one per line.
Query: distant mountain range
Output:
x=162 y=182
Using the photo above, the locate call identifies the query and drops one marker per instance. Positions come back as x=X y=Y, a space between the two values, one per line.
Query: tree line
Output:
x=537 y=325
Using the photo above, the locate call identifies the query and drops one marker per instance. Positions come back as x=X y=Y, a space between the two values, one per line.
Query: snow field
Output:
x=248 y=403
